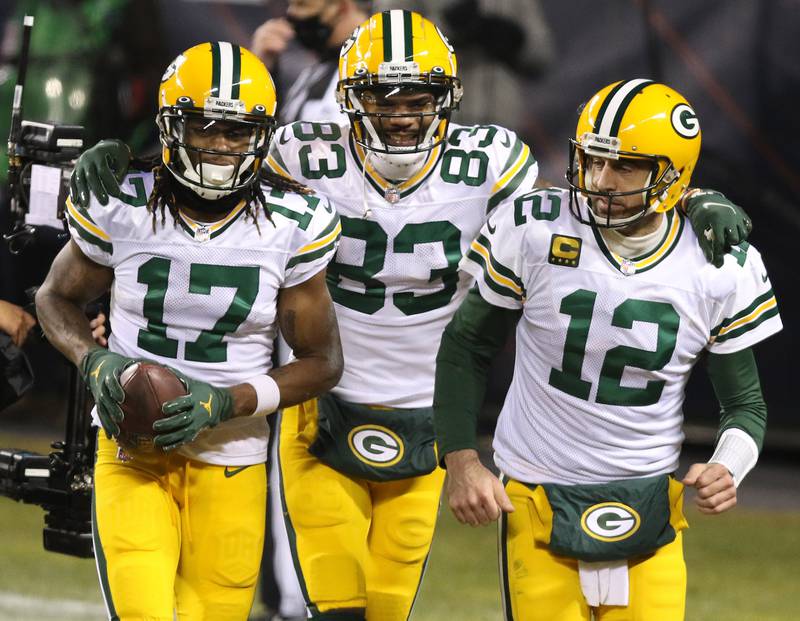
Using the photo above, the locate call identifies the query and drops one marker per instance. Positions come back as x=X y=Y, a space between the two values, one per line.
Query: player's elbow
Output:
x=334 y=366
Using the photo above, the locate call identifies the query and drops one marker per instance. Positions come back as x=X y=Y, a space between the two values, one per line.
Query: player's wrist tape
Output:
x=268 y=394
x=737 y=451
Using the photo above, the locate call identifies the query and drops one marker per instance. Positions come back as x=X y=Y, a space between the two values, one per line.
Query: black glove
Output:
x=99 y=171
x=100 y=369
x=205 y=406
x=717 y=222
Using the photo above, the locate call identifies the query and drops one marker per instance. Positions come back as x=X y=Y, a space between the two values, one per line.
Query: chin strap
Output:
x=364 y=203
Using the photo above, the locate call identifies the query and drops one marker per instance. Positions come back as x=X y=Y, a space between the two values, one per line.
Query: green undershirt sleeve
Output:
x=736 y=384
x=476 y=333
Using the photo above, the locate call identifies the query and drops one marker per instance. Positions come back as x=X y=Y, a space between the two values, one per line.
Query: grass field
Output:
x=743 y=566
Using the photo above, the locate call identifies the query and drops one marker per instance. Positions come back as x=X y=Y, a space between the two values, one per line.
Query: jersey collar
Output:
x=203 y=231
x=385 y=188
x=675 y=224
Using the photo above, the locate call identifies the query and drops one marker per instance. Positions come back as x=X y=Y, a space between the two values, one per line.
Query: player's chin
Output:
x=616 y=211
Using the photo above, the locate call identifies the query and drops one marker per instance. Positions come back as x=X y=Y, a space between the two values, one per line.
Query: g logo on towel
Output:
x=376 y=445
x=610 y=521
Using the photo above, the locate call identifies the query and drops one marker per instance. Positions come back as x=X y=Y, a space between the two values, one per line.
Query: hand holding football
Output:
x=147 y=387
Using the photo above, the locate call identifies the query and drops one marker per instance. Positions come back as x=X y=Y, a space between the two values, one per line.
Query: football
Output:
x=147 y=386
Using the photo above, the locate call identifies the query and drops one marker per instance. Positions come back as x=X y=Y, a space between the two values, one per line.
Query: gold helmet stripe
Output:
x=613 y=109
x=398 y=40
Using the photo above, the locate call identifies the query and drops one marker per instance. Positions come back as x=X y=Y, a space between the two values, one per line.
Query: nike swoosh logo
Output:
x=505 y=140
x=284 y=138
x=491 y=228
x=232 y=472
x=764 y=278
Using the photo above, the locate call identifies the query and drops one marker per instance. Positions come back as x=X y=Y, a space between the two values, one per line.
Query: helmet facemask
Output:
x=211 y=166
x=579 y=177
x=372 y=104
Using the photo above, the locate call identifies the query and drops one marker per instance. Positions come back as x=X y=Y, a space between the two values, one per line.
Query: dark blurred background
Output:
x=97 y=63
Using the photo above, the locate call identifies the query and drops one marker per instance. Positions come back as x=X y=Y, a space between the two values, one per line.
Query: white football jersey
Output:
x=395 y=278
x=203 y=298
x=605 y=345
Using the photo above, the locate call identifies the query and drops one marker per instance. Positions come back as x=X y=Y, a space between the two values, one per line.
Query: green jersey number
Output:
x=464 y=167
x=307 y=132
x=209 y=346
x=376 y=245
x=135 y=200
x=315 y=166
x=579 y=305
x=540 y=209
x=488 y=131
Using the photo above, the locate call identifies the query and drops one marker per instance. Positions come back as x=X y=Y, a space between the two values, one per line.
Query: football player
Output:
x=361 y=484
x=205 y=258
x=613 y=303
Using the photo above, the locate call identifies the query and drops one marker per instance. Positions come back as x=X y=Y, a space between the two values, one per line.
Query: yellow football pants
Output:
x=175 y=534
x=541 y=586
x=357 y=544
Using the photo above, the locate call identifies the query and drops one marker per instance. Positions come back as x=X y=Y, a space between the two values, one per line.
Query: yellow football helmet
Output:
x=216 y=88
x=637 y=119
x=396 y=52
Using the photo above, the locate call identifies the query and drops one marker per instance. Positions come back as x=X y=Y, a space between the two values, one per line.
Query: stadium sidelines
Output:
x=24 y=608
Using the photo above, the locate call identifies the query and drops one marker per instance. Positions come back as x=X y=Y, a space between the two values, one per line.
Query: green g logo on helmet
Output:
x=375 y=445
x=610 y=521
x=685 y=122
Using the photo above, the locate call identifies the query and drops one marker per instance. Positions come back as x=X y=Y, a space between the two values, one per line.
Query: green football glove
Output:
x=204 y=407
x=717 y=222
x=100 y=369
x=99 y=171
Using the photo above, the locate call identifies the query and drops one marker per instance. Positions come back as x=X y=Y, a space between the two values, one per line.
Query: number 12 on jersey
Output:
x=579 y=305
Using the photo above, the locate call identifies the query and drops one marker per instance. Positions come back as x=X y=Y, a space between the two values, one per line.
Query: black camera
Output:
x=41 y=156
x=61 y=481
x=61 y=486
x=40 y=165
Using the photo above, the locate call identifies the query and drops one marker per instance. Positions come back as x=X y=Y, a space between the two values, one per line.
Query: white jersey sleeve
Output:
x=308 y=151
x=496 y=259
x=510 y=165
x=94 y=228
x=749 y=313
x=315 y=238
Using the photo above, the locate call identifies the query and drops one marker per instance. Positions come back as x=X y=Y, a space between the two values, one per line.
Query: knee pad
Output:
x=315 y=506
x=334 y=577
x=406 y=535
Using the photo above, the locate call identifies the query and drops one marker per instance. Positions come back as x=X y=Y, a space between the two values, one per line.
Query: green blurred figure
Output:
x=92 y=63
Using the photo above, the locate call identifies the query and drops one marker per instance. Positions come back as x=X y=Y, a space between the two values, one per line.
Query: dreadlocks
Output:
x=162 y=198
